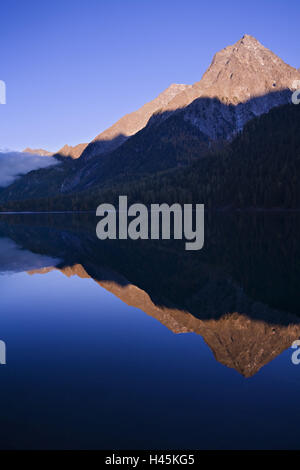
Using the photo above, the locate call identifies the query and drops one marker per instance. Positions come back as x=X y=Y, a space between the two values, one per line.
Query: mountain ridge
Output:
x=222 y=80
x=130 y=123
x=70 y=151
x=187 y=122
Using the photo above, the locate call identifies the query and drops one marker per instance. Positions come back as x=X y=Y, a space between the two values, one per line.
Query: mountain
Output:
x=246 y=75
x=181 y=126
x=260 y=168
x=243 y=81
x=238 y=73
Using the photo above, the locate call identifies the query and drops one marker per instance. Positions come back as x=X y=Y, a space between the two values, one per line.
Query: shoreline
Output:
x=274 y=210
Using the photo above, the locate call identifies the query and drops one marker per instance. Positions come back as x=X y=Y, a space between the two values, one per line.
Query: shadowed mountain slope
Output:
x=260 y=168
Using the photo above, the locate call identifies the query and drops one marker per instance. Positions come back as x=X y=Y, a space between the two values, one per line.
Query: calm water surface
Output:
x=144 y=345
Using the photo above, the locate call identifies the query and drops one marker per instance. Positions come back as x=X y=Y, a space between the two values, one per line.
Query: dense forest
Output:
x=258 y=169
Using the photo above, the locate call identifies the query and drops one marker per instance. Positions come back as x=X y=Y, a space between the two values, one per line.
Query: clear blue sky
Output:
x=73 y=67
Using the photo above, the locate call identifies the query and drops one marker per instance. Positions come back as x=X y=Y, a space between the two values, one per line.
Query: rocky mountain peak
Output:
x=246 y=70
x=239 y=72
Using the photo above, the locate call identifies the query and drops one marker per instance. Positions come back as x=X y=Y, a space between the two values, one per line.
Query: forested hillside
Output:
x=259 y=169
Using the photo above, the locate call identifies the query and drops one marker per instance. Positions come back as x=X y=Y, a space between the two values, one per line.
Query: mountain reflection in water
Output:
x=240 y=293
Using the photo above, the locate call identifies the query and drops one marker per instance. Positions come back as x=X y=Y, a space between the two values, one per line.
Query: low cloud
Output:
x=14 y=259
x=16 y=164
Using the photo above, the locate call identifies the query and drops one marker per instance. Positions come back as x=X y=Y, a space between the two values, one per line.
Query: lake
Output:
x=144 y=345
